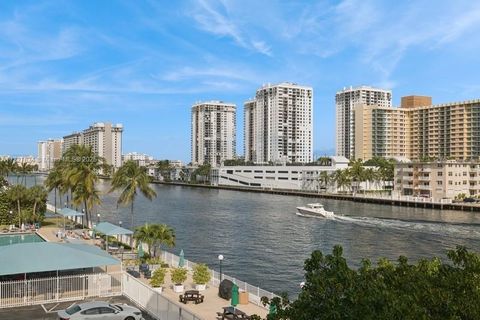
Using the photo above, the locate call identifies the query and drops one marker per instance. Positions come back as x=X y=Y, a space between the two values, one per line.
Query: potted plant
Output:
x=201 y=276
x=158 y=279
x=178 y=276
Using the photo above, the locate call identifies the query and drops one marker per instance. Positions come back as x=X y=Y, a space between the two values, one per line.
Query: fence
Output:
x=254 y=293
x=59 y=289
x=153 y=302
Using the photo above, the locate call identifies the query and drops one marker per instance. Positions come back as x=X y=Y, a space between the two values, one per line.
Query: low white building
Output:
x=276 y=177
x=141 y=158
x=437 y=180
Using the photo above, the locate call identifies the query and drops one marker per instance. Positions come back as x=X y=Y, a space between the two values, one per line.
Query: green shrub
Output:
x=158 y=277
x=201 y=274
x=178 y=275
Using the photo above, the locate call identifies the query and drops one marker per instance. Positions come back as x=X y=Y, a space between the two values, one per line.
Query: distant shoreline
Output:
x=383 y=201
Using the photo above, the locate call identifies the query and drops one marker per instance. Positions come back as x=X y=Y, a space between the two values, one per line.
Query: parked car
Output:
x=100 y=310
x=469 y=200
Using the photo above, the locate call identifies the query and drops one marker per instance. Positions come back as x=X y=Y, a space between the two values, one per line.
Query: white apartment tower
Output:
x=104 y=138
x=213 y=132
x=49 y=151
x=346 y=101
x=278 y=124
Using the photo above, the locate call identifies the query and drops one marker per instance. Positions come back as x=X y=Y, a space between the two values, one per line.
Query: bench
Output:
x=192 y=295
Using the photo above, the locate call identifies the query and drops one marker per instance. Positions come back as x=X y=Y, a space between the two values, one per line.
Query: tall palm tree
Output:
x=37 y=194
x=16 y=194
x=54 y=182
x=131 y=178
x=80 y=171
x=24 y=170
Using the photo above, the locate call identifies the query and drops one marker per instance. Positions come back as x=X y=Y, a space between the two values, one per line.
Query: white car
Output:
x=100 y=310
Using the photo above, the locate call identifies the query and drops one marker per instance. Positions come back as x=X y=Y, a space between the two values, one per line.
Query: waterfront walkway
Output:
x=401 y=201
x=206 y=310
x=212 y=302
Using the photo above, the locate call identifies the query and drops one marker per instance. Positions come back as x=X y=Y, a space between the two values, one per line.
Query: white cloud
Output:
x=218 y=21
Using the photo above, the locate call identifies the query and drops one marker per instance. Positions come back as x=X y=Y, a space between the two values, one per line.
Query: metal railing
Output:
x=153 y=302
x=255 y=293
x=59 y=289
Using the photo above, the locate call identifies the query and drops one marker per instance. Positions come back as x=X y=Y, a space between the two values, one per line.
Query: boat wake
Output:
x=463 y=230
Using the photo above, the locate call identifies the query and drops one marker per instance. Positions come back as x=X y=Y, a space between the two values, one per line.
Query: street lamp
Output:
x=98 y=217
x=220 y=258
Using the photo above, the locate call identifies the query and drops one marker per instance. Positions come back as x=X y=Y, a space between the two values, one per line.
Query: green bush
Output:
x=428 y=289
x=158 y=277
x=201 y=274
x=178 y=275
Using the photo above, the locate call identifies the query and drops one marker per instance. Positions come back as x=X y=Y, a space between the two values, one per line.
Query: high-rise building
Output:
x=346 y=101
x=213 y=132
x=49 y=151
x=278 y=124
x=419 y=131
x=380 y=132
x=104 y=138
x=71 y=139
x=248 y=130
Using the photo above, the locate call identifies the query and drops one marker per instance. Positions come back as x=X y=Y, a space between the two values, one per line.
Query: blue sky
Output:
x=67 y=64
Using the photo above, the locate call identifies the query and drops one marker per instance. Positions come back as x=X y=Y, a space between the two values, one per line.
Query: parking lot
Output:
x=39 y=313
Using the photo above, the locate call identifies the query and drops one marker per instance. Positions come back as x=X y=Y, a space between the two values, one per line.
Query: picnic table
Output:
x=231 y=312
x=191 y=295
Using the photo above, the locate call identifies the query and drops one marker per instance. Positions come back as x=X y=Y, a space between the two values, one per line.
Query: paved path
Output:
x=212 y=302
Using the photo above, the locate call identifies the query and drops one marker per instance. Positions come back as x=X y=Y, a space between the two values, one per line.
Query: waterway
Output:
x=265 y=243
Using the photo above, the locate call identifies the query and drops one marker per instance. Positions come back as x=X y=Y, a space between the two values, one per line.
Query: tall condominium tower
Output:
x=278 y=124
x=346 y=101
x=213 y=132
x=104 y=138
x=49 y=151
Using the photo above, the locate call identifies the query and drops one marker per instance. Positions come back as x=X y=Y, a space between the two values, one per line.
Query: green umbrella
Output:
x=272 y=310
x=234 y=295
x=140 y=252
x=181 y=261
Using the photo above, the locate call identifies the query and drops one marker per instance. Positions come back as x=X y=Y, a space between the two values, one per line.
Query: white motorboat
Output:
x=315 y=209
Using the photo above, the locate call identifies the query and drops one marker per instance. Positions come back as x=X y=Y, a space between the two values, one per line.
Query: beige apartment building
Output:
x=419 y=130
x=104 y=138
x=437 y=180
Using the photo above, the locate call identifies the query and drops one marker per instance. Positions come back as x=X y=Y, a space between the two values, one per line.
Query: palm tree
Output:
x=17 y=194
x=164 y=167
x=145 y=234
x=24 y=169
x=154 y=235
x=357 y=172
x=131 y=178
x=163 y=235
x=37 y=194
x=342 y=179
x=369 y=175
x=324 y=161
x=54 y=181
x=324 y=178
x=79 y=174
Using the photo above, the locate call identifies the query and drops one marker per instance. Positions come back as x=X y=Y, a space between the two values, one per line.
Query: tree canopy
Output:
x=428 y=289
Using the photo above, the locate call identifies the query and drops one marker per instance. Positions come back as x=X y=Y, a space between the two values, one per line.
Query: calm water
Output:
x=8 y=239
x=265 y=243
